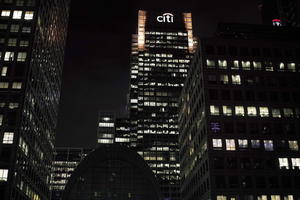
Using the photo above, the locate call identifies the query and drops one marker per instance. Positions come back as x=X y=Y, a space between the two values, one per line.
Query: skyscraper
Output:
x=161 y=52
x=32 y=37
x=239 y=116
x=280 y=12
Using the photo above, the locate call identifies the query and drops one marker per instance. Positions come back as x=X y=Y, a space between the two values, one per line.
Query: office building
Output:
x=280 y=12
x=239 y=118
x=64 y=163
x=106 y=128
x=32 y=38
x=112 y=172
x=161 y=52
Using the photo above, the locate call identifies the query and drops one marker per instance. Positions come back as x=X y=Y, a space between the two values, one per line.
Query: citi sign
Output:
x=165 y=18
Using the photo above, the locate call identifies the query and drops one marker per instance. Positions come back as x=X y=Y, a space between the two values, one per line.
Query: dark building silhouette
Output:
x=64 y=163
x=280 y=12
x=112 y=172
x=32 y=42
x=239 y=119
x=161 y=52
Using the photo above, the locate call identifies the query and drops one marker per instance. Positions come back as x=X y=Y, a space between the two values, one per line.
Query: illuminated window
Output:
x=268 y=144
x=283 y=163
x=106 y=124
x=269 y=66
x=210 y=63
x=262 y=197
x=288 y=197
x=251 y=111
x=1 y=119
x=26 y=29
x=24 y=43
x=4 y=71
x=14 y=28
x=227 y=110
x=275 y=197
x=256 y=65
x=236 y=79
x=17 y=14
x=255 y=144
x=230 y=145
x=16 y=85
x=3 y=26
x=12 y=42
x=291 y=67
x=8 y=138
x=281 y=66
x=246 y=65
x=276 y=113
x=224 y=79
x=235 y=65
x=239 y=111
x=28 y=15
x=243 y=144
x=222 y=64
x=5 y=13
x=264 y=111
x=288 y=112
x=221 y=197
x=295 y=163
x=3 y=85
x=21 y=56
x=214 y=110
x=13 y=105
x=217 y=143
x=3 y=174
x=293 y=145
x=23 y=145
x=9 y=56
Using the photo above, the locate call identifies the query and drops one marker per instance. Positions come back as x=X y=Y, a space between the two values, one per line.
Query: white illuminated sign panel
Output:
x=166 y=18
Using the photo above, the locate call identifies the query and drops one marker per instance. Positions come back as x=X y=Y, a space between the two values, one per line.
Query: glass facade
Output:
x=239 y=140
x=32 y=37
x=161 y=54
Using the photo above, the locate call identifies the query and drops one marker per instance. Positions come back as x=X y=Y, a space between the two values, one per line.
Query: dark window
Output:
x=238 y=95
x=267 y=52
x=260 y=182
x=213 y=94
x=273 y=96
x=240 y=127
x=286 y=181
x=233 y=181
x=221 y=50
x=219 y=163
x=220 y=182
x=233 y=51
x=212 y=79
x=244 y=51
x=256 y=52
x=258 y=163
x=231 y=163
x=246 y=181
x=245 y=163
x=228 y=127
x=273 y=182
x=250 y=96
x=209 y=50
x=226 y=95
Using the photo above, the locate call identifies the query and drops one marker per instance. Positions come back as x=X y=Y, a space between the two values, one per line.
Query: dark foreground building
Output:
x=161 y=52
x=64 y=163
x=240 y=116
x=112 y=172
x=32 y=42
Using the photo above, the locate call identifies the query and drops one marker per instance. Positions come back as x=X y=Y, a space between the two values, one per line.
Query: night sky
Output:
x=96 y=70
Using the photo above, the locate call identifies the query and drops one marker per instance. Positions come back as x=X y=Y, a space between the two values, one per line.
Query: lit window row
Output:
x=253 y=111
x=224 y=78
x=12 y=42
x=232 y=144
x=18 y=14
x=14 y=28
x=8 y=138
x=10 y=56
x=260 y=197
x=3 y=174
x=106 y=124
x=166 y=33
x=15 y=85
x=247 y=65
x=285 y=164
